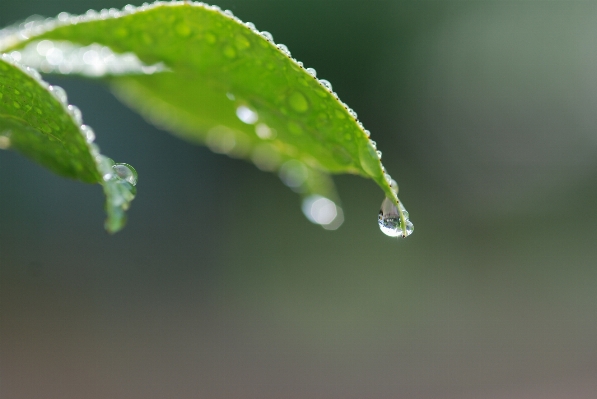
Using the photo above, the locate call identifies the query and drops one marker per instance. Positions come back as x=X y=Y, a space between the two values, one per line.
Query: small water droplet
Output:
x=389 y=220
x=367 y=133
x=250 y=25
x=298 y=102
x=33 y=73
x=126 y=172
x=268 y=36
x=352 y=113
x=59 y=94
x=379 y=154
x=311 y=72
x=326 y=83
x=229 y=13
x=88 y=133
x=246 y=115
x=75 y=112
x=394 y=187
x=284 y=49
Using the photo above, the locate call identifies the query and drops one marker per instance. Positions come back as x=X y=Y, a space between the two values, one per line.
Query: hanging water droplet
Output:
x=389 y=219
x=75 y=112
x=126 y=172
x=268 y=36
x=311 y=72
x=326 y=83
x=59 y=93
x=88 y=133
x=246 y=115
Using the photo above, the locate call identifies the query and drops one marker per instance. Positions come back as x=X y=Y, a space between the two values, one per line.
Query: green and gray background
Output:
x=486 y=113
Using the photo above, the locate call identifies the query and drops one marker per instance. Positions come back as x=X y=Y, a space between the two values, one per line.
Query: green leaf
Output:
x=210 y=78
x=36 y=120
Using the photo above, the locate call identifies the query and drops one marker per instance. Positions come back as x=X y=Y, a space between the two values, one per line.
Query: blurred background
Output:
x=220 y=288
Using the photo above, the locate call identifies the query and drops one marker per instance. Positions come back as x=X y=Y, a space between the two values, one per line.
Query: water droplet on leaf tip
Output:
x=59 y=94
x=125 y=172
x=389 y=220
x=311 y=72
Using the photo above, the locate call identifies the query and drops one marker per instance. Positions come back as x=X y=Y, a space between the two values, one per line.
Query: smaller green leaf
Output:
x=37 y=121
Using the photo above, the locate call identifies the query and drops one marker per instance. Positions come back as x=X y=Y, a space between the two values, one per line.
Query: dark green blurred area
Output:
x=220 y=288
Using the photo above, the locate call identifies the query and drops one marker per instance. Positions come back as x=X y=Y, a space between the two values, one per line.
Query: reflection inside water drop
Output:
x=389 y=219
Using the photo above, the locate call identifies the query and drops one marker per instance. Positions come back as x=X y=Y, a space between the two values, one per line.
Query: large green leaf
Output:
x=225 y=84
x=36 y=120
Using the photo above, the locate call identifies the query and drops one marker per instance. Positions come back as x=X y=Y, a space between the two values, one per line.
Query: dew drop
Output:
x=326 y=84
x=268 y=36
x=250 y=25
x=367 y=133
x=389 y=220
x=246 y=115
x=298 y=102
x=59 y=93
x=394 y=187
x=88 y=133
x=311 y=72
x=75 y=112
x=125 y=172
x=284 y=49
x=379 y=154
